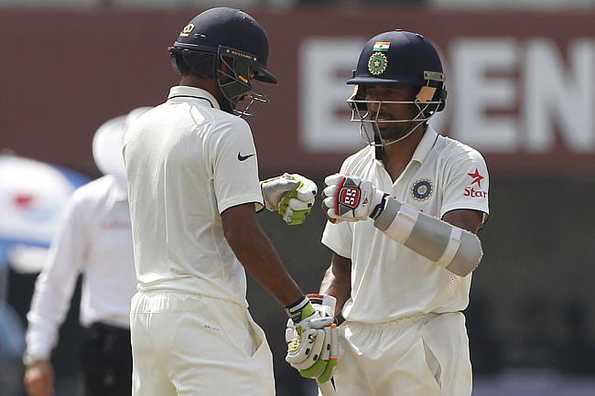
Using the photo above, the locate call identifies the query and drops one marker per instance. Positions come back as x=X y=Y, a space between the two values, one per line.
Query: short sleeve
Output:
x=235 y=166
x=467 y=184
x=339 y=237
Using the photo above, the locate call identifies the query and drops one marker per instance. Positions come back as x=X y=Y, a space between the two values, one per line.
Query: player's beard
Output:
x=395 y=131
x=384 y=133
x=390 y=132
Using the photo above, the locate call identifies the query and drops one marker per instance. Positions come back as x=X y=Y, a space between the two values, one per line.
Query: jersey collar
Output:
x=421 y=151
x=184 y=92
x=425 y=145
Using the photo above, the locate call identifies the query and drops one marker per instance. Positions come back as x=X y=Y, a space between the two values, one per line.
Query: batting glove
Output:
x=325 y=305
x=312 y=341
x=349 y=198
x=290 y=195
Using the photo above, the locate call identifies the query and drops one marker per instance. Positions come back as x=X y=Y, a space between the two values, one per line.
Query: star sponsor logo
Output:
x=473 y=193
x=422 y=189
x=477 y=177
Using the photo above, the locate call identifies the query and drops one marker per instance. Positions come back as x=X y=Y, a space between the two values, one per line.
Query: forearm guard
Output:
x=450 y=247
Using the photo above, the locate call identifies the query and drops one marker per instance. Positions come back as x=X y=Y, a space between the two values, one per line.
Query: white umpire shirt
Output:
x=187 y=161
x=94 y=239
x=388 y=280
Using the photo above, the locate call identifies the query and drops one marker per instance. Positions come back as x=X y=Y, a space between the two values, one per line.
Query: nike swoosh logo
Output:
x=244 y=157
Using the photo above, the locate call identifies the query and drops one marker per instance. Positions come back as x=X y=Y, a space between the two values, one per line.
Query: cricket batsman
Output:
x=404 y=213
x=194 y=190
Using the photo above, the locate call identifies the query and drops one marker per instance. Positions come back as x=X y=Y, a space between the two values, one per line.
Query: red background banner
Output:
x=523 y=94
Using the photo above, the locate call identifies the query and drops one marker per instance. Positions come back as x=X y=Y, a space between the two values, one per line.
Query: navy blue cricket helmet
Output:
x=228 y=45
x=401 y=57
x=392 y=58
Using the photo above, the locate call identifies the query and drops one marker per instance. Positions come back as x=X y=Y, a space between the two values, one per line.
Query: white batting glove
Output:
x=349 y=198
x=290 y=195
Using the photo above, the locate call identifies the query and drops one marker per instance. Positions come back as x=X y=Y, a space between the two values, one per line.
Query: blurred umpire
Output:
x=94 y=239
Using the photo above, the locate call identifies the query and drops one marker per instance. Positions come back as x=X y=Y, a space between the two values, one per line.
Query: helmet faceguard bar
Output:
x=428 y=100
x=372 y=120
x=360 y=113
x=235 y=70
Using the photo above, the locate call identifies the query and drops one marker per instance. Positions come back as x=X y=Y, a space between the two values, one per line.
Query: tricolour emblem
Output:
x=381 y=46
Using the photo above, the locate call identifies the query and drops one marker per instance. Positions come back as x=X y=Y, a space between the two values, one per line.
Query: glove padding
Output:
x=312 y=345
x=349 y=198
x=290 y=195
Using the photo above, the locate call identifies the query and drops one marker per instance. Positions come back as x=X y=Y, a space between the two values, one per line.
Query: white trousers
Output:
x=190 y=345
x=425 y=356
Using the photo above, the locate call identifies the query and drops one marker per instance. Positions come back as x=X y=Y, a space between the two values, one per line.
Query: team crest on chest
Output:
x=422 y=189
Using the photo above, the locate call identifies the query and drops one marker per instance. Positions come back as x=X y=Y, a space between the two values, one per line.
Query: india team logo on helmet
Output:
x=377 y=63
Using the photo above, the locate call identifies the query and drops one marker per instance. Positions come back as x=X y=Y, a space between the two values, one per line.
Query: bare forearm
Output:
x=257 y=254
x=337 y=281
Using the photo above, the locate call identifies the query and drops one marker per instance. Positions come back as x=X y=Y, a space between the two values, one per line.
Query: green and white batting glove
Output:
x=290 y=195
x=325 y=305
x=311 y=341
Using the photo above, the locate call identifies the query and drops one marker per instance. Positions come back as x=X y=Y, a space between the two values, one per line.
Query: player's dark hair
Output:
x=200 y=65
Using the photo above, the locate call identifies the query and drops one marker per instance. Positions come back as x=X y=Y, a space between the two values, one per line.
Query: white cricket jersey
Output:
x=388 y=280
x=188 y=161
x=94 y=239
